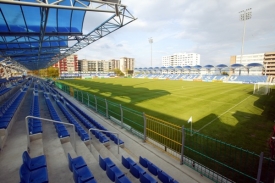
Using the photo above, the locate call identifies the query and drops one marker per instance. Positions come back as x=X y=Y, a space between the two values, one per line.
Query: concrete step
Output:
x=91 y=161
x=57 y=162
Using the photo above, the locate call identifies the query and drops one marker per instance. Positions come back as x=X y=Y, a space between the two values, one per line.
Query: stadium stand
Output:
x=247 y=78
x=83 y=167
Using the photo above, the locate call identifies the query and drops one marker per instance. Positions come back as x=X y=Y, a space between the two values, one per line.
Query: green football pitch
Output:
x=227 y=112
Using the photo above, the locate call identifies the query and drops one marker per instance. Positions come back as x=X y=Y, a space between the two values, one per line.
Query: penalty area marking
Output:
x=224 y=113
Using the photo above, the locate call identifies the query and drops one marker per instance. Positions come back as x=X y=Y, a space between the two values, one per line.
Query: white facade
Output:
x=181 y=59
x=248 y=59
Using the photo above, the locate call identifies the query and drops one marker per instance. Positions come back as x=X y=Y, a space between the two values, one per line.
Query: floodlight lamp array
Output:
x=246 y=14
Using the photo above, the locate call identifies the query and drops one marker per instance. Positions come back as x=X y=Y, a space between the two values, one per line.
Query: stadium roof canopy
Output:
x=163 y=68
x=208 y=66
x=178 y=67
x=221 y=66
x=197 y=67
x=187 y=67
x=38 y=33
x=234 y=66
x=156 y=68
x=254 y=65
x=170 y=68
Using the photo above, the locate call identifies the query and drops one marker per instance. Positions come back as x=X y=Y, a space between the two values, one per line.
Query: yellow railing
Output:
x=166 y=134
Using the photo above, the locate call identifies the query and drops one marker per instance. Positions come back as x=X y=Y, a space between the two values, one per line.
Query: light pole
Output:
x=244 y=15
x=151 y=42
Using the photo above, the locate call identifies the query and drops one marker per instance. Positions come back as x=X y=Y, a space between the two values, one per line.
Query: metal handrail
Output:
x=49 y=120
x=103 y=131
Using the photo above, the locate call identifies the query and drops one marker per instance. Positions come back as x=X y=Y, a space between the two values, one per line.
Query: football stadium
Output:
x=157 y=124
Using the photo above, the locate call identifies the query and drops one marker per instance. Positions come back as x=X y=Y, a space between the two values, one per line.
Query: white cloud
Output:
x=210 y=28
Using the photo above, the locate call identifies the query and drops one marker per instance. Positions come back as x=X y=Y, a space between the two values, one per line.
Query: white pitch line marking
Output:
x=224 y=113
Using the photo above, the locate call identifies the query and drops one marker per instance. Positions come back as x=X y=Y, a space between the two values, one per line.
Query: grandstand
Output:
x=190 y=73
x=51 y=144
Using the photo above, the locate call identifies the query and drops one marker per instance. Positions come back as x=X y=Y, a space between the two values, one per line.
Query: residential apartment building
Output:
x=95 y=65
x=181 y=59
x=126 y=64
x=269 y=63
x=248 y=59
x=68 y=64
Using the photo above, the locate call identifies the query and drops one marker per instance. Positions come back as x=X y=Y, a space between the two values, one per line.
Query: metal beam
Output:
x=110 y=25
x=99 y=8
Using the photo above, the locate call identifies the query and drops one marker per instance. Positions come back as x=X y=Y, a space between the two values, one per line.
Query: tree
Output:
x=118 y=72
x=52 y=72
x=224 y=73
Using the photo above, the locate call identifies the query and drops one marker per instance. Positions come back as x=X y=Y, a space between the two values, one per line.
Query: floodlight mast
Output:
x=151 y=42
x=245 y=15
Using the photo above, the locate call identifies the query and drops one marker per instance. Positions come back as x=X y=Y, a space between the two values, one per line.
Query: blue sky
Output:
x=208 y=27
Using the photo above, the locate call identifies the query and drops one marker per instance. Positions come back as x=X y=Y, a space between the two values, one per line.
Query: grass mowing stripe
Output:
x=223 y=113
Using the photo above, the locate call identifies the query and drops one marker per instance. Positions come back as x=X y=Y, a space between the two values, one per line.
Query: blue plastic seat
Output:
x=127 y=162
x=77 y=162
x=137 y=170
x=36 y=176
x=106 y=162
x=146 y=178
x=114 y=173
x=34 y=163
x=123 y=179
x=153 y=169
x=143 y=162
x=82 y=174
x=164 y=177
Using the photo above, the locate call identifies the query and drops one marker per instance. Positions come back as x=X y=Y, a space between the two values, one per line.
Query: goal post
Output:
x=262 y=88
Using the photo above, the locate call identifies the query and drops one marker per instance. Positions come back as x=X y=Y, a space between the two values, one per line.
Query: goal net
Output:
x=261 y=88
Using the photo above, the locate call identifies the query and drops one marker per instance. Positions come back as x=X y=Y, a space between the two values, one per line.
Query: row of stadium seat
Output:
x=112 y=171
x=236 y=78
x=35 y=125
x=33 y=169
x=60 y=128
x=4 y=89
x=138 y=171
x=78 y=128
x=81 y=172
x=91 y=123
x=8 y=109
x=100 y=136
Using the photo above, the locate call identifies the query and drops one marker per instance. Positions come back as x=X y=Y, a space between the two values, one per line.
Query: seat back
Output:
x=70 y=162
x=134 y=171
x=125 y=163
x=102 y=163
x=24 y=174
x=164 y=177
x=26 y=159
x=143 y=162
